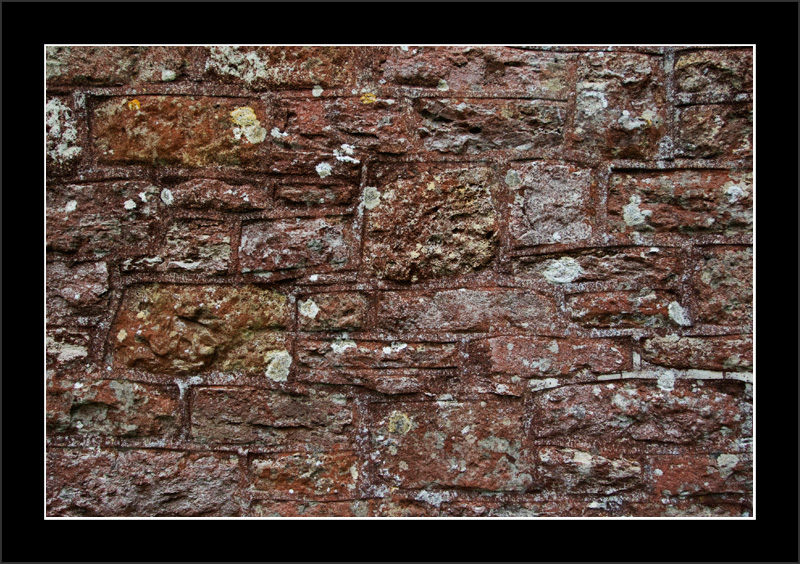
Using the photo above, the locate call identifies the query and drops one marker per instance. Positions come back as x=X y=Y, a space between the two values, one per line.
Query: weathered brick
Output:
x=466 y=445
x=729 y=353
x=577 y=471
x=429 y=221
x=468 y=310
x=723 y=285
x=169 y=328
x=315 y=194
x=331 y=311
x=287 y=244
x=625 y=267
x=682 y=201
x=377 y=507
x=552 y=203
x=76 y=294
x=640 y=415
x=190 y=245
x=208 y=193
x=645 y=308
x=117 y=217
x=480 y=70
x=472 y=126
x=262 y=68
x=621 y=109
x=117 y=408
x=270 y=418
x=717 y=130
x=345 y=128
x=63 y=148
x=191 y=131
x=147 y=483
x=90 y=65
x=306 y=475
x=715 y=72
x=67 y=347
x=701 y=474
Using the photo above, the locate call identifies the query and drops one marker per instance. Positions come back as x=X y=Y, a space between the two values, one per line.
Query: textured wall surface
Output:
x=399 y=281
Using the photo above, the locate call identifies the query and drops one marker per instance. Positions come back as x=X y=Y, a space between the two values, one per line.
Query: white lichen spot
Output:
x=726 y=464
x=313 y=277
x=122 y=335
x=632 y=214
x=324 y=169
x=442 y=86
x=553 y=348
x=168 y=75
x=317 y=91
x=679 y=315
x=372 y=197
x=735 y=193
x=342 y=345
x=278 y=363
x=547 y=383
x=277 y=134
x=246 y=123
x=166 y=196
x=130 y=205
x=399 y=423
x=344 y=154
x=666 y=381
x=308 y=309
x=512 y=179
x=563 y=270
x=591 y=101
x=354 y=472
x=62 y=133
x=394 y=348
x=72 y=205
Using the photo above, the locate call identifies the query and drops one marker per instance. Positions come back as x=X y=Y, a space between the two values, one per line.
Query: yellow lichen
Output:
x=399 y=423
x=368 y=98
x=134 y=105
x=244 y=116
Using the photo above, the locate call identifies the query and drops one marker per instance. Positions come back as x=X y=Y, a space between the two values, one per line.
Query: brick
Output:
x=552 y=203
x=91 y=66
x=332 y=311
x=451 y=444
x=472 y=126
x=190 y=245
x=620 y=106
x=323 y=244
x=76 y=294
x=190 y=131
x=480 y=70
x=728 y=353
x=270 y=418
x=95 y=220
x=717 y=130
x=640 y=415
x=306 y=475
x=345 y=128
x=701 y=474
x=715 y=72
x=63 y=147
x=67 y=347
x=262 y=68
x=99 y=483
x=430 y=221
x=208 y=193
x=346 y=354
x=625 y=267
x=723 y=285
x=117 y=408
x=576 y=471
x=468 y=310
x=528 y=357
x=180 y=329
x=682 y=201
x=645 y=308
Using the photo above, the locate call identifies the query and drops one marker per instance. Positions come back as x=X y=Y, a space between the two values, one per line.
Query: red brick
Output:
x=430 y=221
x=682 y=201
x=451 y=444
x=306 y=475
x=268 y=418
x=145 y=483
x=723 y=285
x=729 y=353
x=332 y=311
x=181 y=130
x=323 y=244
x=645 y=308
x=460 y=310
x=717 y=130
x=180 y=329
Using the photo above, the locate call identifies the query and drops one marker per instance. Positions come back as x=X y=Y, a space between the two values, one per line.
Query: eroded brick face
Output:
x=399 y=281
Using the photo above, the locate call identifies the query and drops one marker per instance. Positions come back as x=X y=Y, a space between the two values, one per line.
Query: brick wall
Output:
x=399 y=281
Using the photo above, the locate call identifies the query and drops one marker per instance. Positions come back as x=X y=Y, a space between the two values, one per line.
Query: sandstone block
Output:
x=728 y=353
x=654 y=308
x=331 y=311
x=577 y=471
x=714 y=72
x=63 y=147
x=723 y=285
x=716 y=130
x=76 y=294
x=701 y=474
x=306 y=475
x=208 y=193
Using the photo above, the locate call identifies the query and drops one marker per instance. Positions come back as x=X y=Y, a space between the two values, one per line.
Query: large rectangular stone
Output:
x=497 y=309
x=306 y=475
x=76 y=294
x=346 y=354
x=715 y=131
x=682 y=201
x=644 y=308
x=723 y=285
x=715 y=72
x=728 y=352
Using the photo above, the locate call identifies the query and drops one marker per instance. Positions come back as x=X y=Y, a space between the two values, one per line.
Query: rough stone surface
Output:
x=208 y=193
x=325 y=312
x=76 y=293
x=309 y=475
x=682 y=201
x=627 y=309
x=430 y=222
x=177 y=329
x=552 y=203
x=724 y=285
x=729 y=353
x=62 y=136
x=719 y=73
x=716 y=130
